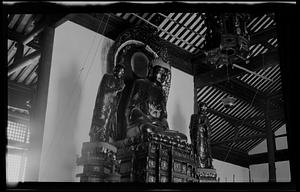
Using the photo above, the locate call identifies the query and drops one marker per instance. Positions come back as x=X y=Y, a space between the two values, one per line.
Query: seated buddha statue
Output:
x=146 y=111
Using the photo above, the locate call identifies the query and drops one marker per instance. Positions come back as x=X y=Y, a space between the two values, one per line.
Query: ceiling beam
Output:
x=179 y=58
x=275 y=115
x=235 y=120
x=51 y=20
x=234 y=156
x=243 y=91
x=202 y=78
x=239 y=139
x=280 y=155
x=36 y=30
x=17 y=37
x=23 y=62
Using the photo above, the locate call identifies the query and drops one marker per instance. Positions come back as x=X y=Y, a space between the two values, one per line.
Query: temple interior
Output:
x=158 y=97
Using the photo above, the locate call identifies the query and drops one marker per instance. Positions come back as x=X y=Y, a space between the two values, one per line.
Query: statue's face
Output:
x=203 y=107
x=119 y=72
x=160 y=74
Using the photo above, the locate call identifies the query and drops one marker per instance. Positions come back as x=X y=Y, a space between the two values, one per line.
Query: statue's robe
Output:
x=104 y=115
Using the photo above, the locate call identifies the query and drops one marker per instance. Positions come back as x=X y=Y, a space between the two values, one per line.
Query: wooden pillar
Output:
x=195 y=99
x=39 y=105
x=270 y=144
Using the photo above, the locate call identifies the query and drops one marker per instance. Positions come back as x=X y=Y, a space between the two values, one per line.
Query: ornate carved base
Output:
x=161 y=160
x=99 y=163
x=207 y=175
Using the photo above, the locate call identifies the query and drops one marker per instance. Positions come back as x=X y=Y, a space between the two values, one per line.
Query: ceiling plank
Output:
x=23 y=62
x=51 y=20
x=36 y=30
x=235 y=120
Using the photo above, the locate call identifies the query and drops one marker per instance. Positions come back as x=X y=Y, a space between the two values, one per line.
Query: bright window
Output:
x=13 y=167
x=18 y=136
x=17 y=132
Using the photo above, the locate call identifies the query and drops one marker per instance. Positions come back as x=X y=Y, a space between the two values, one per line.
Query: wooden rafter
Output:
x=280 y=155
x=29 y=37
x=23 y=62
x=20 y=61
x=235 y=120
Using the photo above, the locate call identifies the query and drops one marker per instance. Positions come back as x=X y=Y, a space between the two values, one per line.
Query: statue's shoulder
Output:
x=106 y=77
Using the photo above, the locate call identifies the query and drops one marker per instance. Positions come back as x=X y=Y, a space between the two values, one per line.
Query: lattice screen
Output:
x=13 y=167
x=17 y=132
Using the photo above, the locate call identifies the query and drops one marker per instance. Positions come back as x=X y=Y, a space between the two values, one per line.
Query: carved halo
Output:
x=143 y=42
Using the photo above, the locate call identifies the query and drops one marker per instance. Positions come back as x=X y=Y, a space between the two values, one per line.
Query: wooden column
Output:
x=195 y=99
x=270 y=144
x=39 y=105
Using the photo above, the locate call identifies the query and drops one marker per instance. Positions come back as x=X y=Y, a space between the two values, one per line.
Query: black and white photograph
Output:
x=156 y=95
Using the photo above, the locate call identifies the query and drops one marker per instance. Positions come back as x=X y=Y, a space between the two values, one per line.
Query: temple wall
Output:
x=260 y=172
x=78 y=64
x=180 y=102
x=228 y=172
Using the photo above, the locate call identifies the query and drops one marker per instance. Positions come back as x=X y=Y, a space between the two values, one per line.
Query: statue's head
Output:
x=160 y=70
x=119 y=71
x=202 y=107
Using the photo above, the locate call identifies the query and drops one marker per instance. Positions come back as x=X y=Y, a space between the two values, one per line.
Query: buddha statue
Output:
x=107 y=100
x=146 y=111
x=200 y=136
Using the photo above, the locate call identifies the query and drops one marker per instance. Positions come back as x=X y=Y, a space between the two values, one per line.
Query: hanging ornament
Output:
x=228 y=102
x=228 y=39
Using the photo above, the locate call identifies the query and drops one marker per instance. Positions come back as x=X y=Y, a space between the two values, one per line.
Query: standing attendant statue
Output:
x=200 y=136
x=105 y=110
